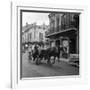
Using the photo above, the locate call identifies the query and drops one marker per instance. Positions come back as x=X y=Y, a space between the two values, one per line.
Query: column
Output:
x=77 y=43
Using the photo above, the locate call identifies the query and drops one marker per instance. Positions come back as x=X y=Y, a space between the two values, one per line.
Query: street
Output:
x=30 y=69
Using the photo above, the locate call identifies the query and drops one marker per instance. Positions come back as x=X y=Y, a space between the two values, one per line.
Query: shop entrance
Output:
x=57 y=42
x=72 y=45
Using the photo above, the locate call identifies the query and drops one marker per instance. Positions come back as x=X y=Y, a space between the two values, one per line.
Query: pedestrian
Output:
x=30 y=53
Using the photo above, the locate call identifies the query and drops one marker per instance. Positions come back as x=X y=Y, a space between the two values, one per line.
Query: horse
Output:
x=35 y=53
x=48 y=53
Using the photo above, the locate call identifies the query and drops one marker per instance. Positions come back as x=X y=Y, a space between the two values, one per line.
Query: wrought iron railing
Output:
x=60 y=28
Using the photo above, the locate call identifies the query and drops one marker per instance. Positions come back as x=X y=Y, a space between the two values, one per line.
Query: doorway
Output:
x=57 y=43
x=72 y=45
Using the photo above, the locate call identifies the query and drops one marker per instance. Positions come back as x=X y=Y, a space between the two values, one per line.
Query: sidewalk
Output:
x=68 y=61
x=64 y=59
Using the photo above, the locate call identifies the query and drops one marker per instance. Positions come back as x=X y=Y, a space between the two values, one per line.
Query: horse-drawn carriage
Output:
x=48 y=54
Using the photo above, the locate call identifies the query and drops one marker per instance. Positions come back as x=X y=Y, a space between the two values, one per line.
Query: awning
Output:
x=67 y=32
x=36 y=42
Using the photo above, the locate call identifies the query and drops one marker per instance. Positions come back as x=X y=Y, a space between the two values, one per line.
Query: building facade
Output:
x=33 y=33
x=64 y=31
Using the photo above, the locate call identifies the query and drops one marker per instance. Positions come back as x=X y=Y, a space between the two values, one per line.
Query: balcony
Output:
x=59 y=28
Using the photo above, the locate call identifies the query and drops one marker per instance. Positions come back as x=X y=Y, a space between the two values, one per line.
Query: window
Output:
x=40 y=36
x=30 y=36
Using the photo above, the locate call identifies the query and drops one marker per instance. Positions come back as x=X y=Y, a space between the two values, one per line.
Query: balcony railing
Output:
x=60 y=28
